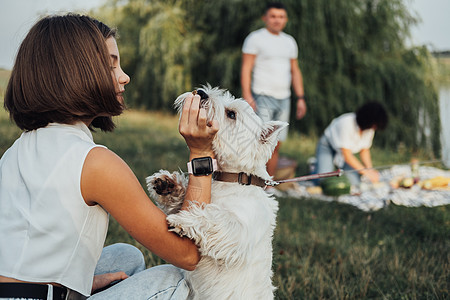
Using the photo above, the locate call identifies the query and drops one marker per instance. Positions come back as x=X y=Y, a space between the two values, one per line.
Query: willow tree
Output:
x=350 y=51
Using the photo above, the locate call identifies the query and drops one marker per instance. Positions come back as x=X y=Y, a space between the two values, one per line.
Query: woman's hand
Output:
x=364 y=169
x=103 y=280
x=199 y=134
x=195 y=128
x=371 y=174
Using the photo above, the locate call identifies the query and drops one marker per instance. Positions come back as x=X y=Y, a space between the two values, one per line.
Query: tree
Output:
x=351 y=51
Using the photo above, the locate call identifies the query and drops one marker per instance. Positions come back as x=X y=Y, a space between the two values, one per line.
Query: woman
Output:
x=57 y=186
x=347 y=135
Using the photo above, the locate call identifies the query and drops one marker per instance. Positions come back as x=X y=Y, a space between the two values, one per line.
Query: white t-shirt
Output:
x=344 y=132
x=272 y=68
x=47 y=232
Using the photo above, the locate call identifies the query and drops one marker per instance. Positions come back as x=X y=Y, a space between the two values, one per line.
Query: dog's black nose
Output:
x=202 y=94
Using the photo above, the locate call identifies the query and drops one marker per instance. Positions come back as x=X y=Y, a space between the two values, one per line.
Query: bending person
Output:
x=347 y=135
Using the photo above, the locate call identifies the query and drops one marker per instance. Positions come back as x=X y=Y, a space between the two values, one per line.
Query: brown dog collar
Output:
x=241 y=178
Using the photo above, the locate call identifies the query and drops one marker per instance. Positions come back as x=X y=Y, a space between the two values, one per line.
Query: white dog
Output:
x=234 y=232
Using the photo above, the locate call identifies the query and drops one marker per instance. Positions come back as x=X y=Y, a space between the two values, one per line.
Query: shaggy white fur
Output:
x=234 y=232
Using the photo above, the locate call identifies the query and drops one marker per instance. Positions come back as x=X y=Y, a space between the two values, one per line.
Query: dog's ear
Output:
x=271 y=130
x=178 y=104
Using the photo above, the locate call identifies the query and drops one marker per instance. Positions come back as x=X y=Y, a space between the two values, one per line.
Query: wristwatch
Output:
x=202 y=166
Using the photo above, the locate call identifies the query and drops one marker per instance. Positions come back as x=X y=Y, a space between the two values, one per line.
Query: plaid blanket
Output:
x=368 y=197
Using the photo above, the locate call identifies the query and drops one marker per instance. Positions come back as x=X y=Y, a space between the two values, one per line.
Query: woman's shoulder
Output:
x=344 y=120
x=102 y=158
x=103 y=173
x=350 y=116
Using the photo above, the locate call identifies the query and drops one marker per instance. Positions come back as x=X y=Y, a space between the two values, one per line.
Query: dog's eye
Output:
x=231 y=114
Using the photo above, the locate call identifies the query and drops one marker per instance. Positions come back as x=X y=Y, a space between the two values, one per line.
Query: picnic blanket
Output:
x=369 y=197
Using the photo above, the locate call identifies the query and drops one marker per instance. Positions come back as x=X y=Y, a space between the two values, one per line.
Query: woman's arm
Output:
x=366 y=158
x=198 y=134
x=107 y=180
x=364 y=169
x=351 y=159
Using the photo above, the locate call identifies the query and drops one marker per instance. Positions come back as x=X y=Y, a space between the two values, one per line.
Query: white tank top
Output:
x=47 y=232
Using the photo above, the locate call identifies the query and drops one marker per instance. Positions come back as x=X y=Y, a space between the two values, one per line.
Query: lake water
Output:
x=444 y=107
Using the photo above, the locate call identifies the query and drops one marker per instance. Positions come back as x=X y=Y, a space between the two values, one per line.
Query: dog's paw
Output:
x=178 y=230
x=175 y=225
x=167 y=189
x=163 y=185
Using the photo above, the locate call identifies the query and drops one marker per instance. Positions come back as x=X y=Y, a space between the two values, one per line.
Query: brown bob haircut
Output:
x=62 y=74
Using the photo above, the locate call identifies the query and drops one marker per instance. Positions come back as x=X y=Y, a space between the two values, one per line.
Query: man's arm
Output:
x=248 y=61
x=297 y=85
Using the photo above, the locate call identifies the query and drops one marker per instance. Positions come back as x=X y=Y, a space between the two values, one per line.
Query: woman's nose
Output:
x=124 y=78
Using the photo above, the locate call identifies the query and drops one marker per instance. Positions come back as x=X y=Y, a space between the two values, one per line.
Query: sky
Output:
x=17 y=17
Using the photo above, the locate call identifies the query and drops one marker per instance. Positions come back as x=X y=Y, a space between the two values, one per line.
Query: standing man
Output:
x=269 y=67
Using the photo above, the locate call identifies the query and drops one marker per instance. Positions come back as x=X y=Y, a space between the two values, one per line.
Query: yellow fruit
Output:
x=436 y=182
x=407 y=182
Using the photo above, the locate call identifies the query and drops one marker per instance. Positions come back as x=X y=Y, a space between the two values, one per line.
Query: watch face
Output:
x=202 y=166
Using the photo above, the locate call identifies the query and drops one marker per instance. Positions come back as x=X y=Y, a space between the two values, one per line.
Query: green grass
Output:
x=322 y=250
x=334 y=251
x=443 y=70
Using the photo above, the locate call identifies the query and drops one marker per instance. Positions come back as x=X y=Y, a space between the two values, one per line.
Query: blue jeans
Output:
x=272 y=109
x=160 y=282
x=325 y=162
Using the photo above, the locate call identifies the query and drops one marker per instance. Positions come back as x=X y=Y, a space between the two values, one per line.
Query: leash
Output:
x=305 y=178
x=244 y=179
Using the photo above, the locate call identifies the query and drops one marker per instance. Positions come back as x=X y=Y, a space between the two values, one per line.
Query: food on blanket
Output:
x=415 y=169
x=406 y=182
x=395 y=182
x=335 y=186
x=401 y=182
x=314 y=190
x=436 y=182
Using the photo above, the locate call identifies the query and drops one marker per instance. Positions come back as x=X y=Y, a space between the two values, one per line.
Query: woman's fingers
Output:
x=194 y=110
x=186 y=111
x=195 y=127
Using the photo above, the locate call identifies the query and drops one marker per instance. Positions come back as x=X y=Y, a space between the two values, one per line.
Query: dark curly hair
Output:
x=372 y=114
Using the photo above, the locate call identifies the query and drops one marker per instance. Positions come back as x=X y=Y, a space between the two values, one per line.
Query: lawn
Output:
x=322 y=250
x=443 y=69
